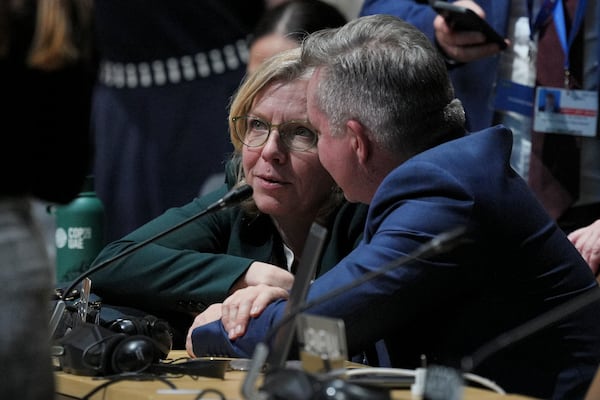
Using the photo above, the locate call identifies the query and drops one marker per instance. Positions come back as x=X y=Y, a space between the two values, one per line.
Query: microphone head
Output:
x=233 y=197
x=239 y=194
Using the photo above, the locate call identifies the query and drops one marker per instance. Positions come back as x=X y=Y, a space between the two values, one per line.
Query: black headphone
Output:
x=149 y=326
x=124 y=345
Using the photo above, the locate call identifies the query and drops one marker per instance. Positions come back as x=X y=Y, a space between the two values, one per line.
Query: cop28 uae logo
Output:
x=73 y=237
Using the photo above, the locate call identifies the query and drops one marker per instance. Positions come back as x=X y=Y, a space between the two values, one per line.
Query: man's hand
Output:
x=212 y=313
x=245 y=303
x=260 y=285
x=587 y=242
x=463 y=46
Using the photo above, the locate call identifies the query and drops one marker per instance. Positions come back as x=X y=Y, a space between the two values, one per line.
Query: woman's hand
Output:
x=260 y=285
x=587 y=242
x=261 y=273
x=212 y=313
x=245 y=303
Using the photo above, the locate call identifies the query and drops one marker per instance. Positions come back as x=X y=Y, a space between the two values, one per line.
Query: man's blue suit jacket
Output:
x=517 y=265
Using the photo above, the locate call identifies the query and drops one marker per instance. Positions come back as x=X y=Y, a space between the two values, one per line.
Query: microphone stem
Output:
x=129 y=251
x=234 y=196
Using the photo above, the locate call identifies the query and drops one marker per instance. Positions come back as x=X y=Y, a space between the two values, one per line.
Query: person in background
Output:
x=404 y=151
x=576 y=204
x=167 y=71
x=286 y=25
x=46 y=78
x=254 y=244
x=587 y=241
x=550 y=103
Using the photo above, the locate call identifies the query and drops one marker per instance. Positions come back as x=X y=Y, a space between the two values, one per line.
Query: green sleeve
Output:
x=186 y=270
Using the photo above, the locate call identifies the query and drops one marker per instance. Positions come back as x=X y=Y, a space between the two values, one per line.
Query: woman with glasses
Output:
x=257 y=243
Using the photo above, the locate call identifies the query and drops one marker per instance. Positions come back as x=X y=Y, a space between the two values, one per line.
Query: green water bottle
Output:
x=79 y=234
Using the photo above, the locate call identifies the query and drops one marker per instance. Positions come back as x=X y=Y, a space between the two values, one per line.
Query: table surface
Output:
x=69 y=386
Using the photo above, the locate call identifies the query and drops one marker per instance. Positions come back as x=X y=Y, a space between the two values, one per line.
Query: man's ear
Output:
x=359 y=140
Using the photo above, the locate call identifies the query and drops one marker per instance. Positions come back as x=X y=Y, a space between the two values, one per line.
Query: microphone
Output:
x=440 y=244
x=235 y=196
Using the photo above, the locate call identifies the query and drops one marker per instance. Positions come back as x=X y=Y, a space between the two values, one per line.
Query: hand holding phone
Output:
x=464 y=19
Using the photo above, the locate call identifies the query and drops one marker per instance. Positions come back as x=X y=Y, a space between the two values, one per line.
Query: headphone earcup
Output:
x=134 y=354
x=156 y=332
x=129 y=326
x=161 y=332
x=88 y=350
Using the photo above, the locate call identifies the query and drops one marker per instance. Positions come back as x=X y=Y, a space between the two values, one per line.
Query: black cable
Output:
x=213 y=391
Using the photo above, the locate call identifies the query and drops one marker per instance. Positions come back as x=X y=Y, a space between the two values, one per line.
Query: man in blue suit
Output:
x=493 y=86
x=391 y=135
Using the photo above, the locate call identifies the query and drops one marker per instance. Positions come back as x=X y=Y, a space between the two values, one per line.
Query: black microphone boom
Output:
x=235 y=196
x=231 y=198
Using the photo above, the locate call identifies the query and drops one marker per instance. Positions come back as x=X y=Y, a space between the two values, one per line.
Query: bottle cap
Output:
x=88 y=184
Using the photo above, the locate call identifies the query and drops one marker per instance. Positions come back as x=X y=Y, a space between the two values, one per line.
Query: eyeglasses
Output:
x=254 y=132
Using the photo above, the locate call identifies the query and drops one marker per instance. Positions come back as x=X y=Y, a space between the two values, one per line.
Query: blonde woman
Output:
x=253 y=245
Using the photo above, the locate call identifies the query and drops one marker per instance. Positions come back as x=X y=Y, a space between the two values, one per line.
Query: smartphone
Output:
x=463 y=19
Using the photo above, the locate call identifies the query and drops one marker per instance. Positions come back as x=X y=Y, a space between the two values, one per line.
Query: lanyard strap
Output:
x=543 y=15
x=554 y=9
x=561 y=29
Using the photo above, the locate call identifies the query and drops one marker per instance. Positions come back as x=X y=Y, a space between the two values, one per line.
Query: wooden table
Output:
x=70 y=387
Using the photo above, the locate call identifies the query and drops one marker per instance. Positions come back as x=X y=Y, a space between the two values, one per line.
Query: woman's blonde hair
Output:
x=62 y=33
x=283 y=67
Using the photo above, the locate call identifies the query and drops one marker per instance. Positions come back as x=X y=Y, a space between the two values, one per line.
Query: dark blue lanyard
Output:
x=561 y=30
x=549 y=8
x=543 y=15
